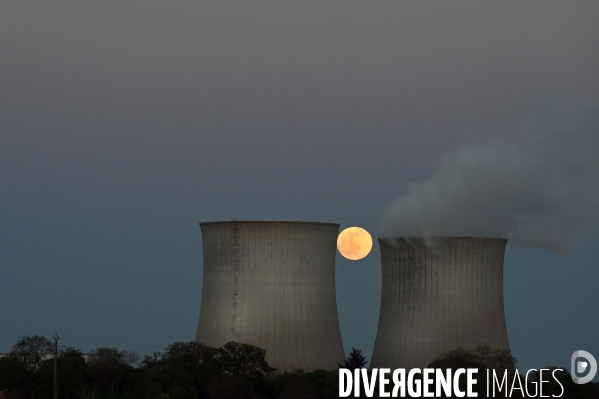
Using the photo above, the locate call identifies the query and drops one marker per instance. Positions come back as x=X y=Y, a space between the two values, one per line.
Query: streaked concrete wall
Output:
x=272 y=284
x=439 y=297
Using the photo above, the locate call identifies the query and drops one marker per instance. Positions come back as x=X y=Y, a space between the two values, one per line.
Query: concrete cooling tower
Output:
x=272 y=284
x=439 y=297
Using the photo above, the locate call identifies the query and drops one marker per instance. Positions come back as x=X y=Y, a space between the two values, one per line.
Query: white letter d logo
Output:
x=579 y=367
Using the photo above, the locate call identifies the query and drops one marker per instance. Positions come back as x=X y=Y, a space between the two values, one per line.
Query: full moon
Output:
x=354 y=243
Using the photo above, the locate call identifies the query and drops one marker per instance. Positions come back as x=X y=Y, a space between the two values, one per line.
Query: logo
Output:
x=583 y=367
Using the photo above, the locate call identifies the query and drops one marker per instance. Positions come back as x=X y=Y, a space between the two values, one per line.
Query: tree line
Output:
x=189 y=370
x=184 y=370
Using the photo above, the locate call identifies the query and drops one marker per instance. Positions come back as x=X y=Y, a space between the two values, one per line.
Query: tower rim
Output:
x=269 y=221
x=441 y=237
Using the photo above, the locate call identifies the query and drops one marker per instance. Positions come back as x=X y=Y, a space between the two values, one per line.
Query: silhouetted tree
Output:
x=227 y=386
x=31 y=350
x=295 y=384
x=72 y=370
x=354 y=360
x=189 y=364
x=15 y=379
x=109 y=366
x=71 y=375
x=186 y=365
x=245 y=360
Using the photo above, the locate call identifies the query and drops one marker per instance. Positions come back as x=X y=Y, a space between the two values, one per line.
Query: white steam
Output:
x=535 y=191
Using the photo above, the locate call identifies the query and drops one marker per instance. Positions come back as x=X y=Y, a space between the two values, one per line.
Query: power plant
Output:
x=438 y=297
x=272 y=284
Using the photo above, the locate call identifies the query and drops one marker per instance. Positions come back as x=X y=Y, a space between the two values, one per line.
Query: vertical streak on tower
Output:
x=272 y=284
x=439 y=297
x=235 y=238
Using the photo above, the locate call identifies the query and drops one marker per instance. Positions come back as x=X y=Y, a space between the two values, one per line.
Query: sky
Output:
x=125 y=124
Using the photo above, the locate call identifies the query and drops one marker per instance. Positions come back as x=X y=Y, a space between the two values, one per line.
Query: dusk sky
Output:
x=125 y=124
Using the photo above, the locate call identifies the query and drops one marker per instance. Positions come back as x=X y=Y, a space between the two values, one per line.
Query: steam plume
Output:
x=535 y=191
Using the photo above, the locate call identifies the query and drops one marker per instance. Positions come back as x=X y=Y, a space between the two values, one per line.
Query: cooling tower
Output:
x=272 y=284
x=439 y=297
